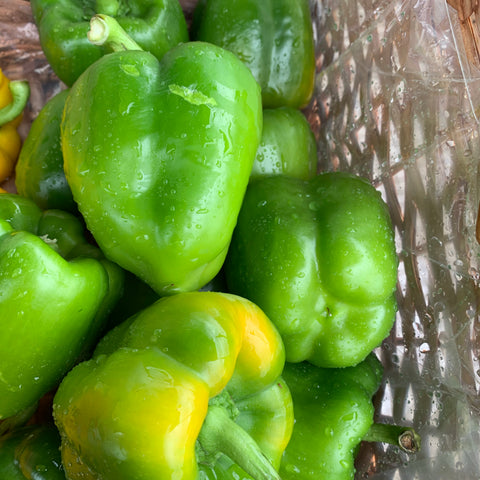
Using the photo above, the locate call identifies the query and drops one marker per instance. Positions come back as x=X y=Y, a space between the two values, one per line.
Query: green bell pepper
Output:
x=189 y=388
x=319 y=258
x=334 y=412
x=39 y=170
x=56 y=291
x=157 y=25
x=160 y=168
x=287 y=146
x=31 y=452
x=274 y=38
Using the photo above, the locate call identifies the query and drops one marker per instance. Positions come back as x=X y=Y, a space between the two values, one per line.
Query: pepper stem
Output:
x=220 y=433
x=405 y=438
x=105 y=30
x=20 y=92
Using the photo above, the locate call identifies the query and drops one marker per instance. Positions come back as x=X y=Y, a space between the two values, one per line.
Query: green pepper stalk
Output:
x=157 y=25
x=405 y=438
x=334 y=413
x=20 y=93
x=189 y=386
x=159 y=169
x=104 y=28
x=220 y=433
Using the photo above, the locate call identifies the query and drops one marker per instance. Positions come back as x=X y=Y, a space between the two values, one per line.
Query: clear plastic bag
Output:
x=397 y=100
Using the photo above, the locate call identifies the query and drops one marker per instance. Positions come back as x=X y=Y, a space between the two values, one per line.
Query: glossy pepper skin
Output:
x=157 y=25
x=160 y=168
x=274 y=38
x=287 y=146
x=13 y=100
x=319 y=258
x=189 y=386
x=31 y=452
x=333 y=412
x=55 y=293
x=39 y=171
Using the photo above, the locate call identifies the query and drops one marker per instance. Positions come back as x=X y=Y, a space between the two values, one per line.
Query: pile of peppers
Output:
x=183 y=295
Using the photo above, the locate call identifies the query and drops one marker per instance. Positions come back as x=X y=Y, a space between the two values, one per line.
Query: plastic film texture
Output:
x=396 y=100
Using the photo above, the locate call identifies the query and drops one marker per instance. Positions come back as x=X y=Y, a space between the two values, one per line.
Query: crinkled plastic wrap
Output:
x=396 y=100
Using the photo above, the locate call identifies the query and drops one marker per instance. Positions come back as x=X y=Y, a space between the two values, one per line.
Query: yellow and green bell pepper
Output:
x=190 y=387
x=56 y=291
